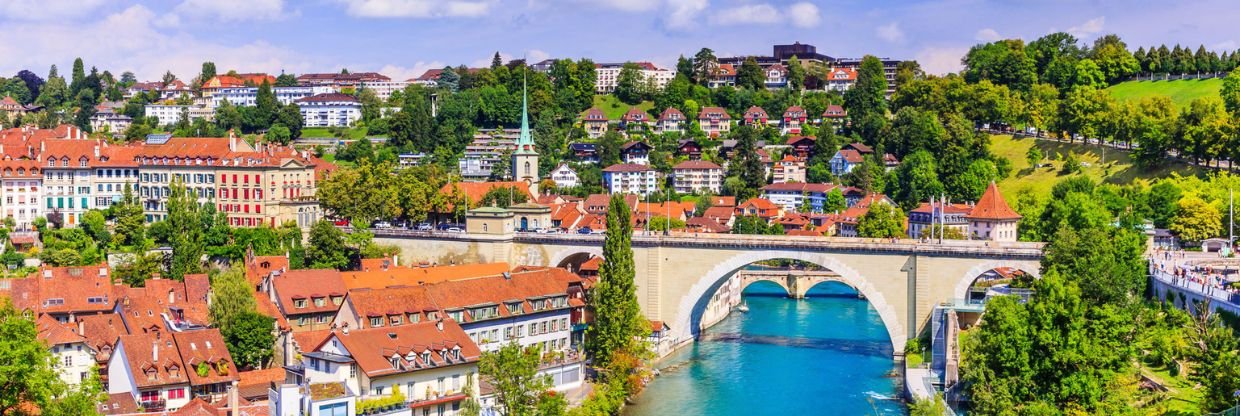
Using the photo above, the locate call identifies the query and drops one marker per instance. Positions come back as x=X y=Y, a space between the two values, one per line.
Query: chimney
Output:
x=232 y=141
x=233 y=402
x=172 y=296
x=96 y=150
x=81 y=327
x=439 y=325
x=155 y=351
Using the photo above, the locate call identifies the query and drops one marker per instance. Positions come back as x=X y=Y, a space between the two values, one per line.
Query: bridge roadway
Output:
x=678 y=273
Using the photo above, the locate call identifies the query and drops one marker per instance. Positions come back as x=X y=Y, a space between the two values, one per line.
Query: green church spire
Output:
x=525 y=143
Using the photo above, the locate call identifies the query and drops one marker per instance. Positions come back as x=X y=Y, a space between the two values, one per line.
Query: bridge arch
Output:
x=568 y=255
x=692 y=304
x=1032 y=267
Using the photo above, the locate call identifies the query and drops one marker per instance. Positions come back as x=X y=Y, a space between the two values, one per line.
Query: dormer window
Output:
x=150 y=374
x=299 y=303
x=376 y=321
x=396 y=319
x=426 y=358
x=395 y=362
x=318 y=302
x=414 y=318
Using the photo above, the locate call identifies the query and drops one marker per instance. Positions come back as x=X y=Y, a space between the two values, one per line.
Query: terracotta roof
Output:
x=635 y=115
x=852 y=156
x=308 y=285
x=515 y=286
x=925 y=208
x=695 y=164
x=594 y=114
x=991 y=206
x=101 y=332
x=717 y=213
x=792 y=141
x=412 y=276
x=309 y=340
x=145 y=307
x=254 y=383
x=155 y=352
x=860 y=147
x=627 y=167
x=794 y=112
x=239 y=80
x=53 y=332
x=835 y=111
x=706 y=224
x=373 y=349
x=671 y=114
x=754 y=113
x=658 y=326
x=759 y=203
x=714 y=112
x=206 y=346
x=264 y=306
x=70 y=289
x=842 y=74
x=592 y=264
x=119 y=404
x=197 y=407
x=722 y=201
x=258 y=267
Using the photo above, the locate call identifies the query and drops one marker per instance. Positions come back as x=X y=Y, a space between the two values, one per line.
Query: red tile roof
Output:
x=254 y=383
x=307 y=286
x=755 y=113
x=515 y=286
x=627 y=167
x=852 y=156
x=835 y=111
x=373 y=349
x=800 y=187
x=206 y=346
x=695 y=165
x=155 y=352
x=71 y=289
x=991 y=206
x=594 y=115
x=476 y=190
x=53 y=332
x=713 y=112
x=671 y=114
x=635 y=115
x=413 y=276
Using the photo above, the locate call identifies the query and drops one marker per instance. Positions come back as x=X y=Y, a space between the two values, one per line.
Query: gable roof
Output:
x=413 y=276
x=593 y=115
x=373 y=349
x=153 y=351
x=307 y=285
x=635 y=115
x=696 y=165
x=206 y=346
x=851 y=156
x=476 y=190
x=714 y=112
x=671 y=114
x=992 y=206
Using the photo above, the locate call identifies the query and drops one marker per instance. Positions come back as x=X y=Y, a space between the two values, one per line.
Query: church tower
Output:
x=524 y=157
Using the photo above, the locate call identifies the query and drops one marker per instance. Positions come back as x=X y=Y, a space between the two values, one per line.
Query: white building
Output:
x=167 y=114
x=329 y=110
x=694 y=176
x=564 y=176
x=428 y=363
x=23 y=191
x=629 y=178
x=248 y=96
x=608 y=75
x=112 y=122
x=384 y=89
x=72 y=356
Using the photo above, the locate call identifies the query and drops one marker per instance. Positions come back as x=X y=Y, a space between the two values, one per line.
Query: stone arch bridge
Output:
x=678 y=273
x=795 y=282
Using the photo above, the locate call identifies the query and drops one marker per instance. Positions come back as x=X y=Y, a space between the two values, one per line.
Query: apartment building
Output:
x=630 y=178
x=607 y=76
x=694 y=176
x=329 y=110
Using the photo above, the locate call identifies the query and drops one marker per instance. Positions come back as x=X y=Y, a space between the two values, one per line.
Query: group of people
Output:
x=1208 y=279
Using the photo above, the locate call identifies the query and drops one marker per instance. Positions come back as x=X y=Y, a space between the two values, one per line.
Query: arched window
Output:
x=527 y=168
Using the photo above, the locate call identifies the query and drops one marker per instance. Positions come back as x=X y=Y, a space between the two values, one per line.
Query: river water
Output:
x=826 y=355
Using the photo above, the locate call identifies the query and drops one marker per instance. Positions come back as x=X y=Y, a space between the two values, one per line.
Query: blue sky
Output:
x=402 y=38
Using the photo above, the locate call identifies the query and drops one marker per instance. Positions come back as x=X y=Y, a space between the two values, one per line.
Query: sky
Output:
x=403 y=38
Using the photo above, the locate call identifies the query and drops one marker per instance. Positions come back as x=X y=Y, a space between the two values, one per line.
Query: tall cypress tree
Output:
x=618 y=321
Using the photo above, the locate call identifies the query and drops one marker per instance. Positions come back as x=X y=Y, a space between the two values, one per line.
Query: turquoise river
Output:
x=826 y=355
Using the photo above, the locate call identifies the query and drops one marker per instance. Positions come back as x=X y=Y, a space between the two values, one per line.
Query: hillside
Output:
x=1181 y=92
x=1118 y=168
x=613 y=108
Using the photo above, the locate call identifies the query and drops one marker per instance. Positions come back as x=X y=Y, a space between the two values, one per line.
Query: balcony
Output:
x=157 y=405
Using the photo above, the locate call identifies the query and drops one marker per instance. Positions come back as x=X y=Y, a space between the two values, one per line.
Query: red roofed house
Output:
x=841 y=79
x=992 y=218
x=834 y=115
x=689 y=148
x=801 y=146
x=308 y=298
x=595 y=122
x=210 y=366
x=628 y=178
x=148 y=367
x=723 y=75
x=788 y=169
x=635 y=119
x=792 y=121
x=671 y=120
x=714 y=121
x=846 y=222
x=64 y=293
x=755 y=116
x=697 y=176
x=844 y=161
x=776 y=76
x=429 y=363
x=72 y=354
x=927 y=216
x=759 y=207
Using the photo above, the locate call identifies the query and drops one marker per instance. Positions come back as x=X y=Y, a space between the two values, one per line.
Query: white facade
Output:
x=112 y=122
x=330 y=113
x=247 y=96
x=67 y=189
x=110 y=183
x=74 y=362
x=608 y=75
x=22 y=196
x=167 y=114
x=640 y=182
x=416 y=384
x=121 y=380
x=693 y=180
x=384 y=89
x=564 y=176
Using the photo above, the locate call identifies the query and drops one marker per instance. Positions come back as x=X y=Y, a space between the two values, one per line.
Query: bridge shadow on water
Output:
x=870 y=348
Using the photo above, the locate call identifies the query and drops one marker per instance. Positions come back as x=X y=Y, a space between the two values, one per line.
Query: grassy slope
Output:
x=614 y=108
x=1181 y=92
x=322 y=132
x=1118 y=168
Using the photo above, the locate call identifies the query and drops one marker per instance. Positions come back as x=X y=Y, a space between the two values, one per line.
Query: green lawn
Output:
x=324 y=132
x=1181 y=92
x=1183 y=397
x=1117 y=169
x=613 y=108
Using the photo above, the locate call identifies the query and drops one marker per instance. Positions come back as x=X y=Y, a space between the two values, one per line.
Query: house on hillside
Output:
x=594 y=121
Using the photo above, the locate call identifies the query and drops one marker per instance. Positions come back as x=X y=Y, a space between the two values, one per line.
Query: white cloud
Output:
x=804 y=15
x=128 y=40
x=748 y=14
x=941 y=60
x=1227 y=45
x=232 y=10
x=988 y=35
x=682 y=14
x=417 y=8
x=400 y=73
x=39 y=10
x=890 y=32
x=629 y=5
x=1089 y=28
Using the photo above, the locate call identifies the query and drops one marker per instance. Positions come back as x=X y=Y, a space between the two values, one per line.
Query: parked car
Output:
x=341 y=223
x=383 y=224
x=424 y=226
x=455 y=230
x=546 y=231
x=584 y=230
